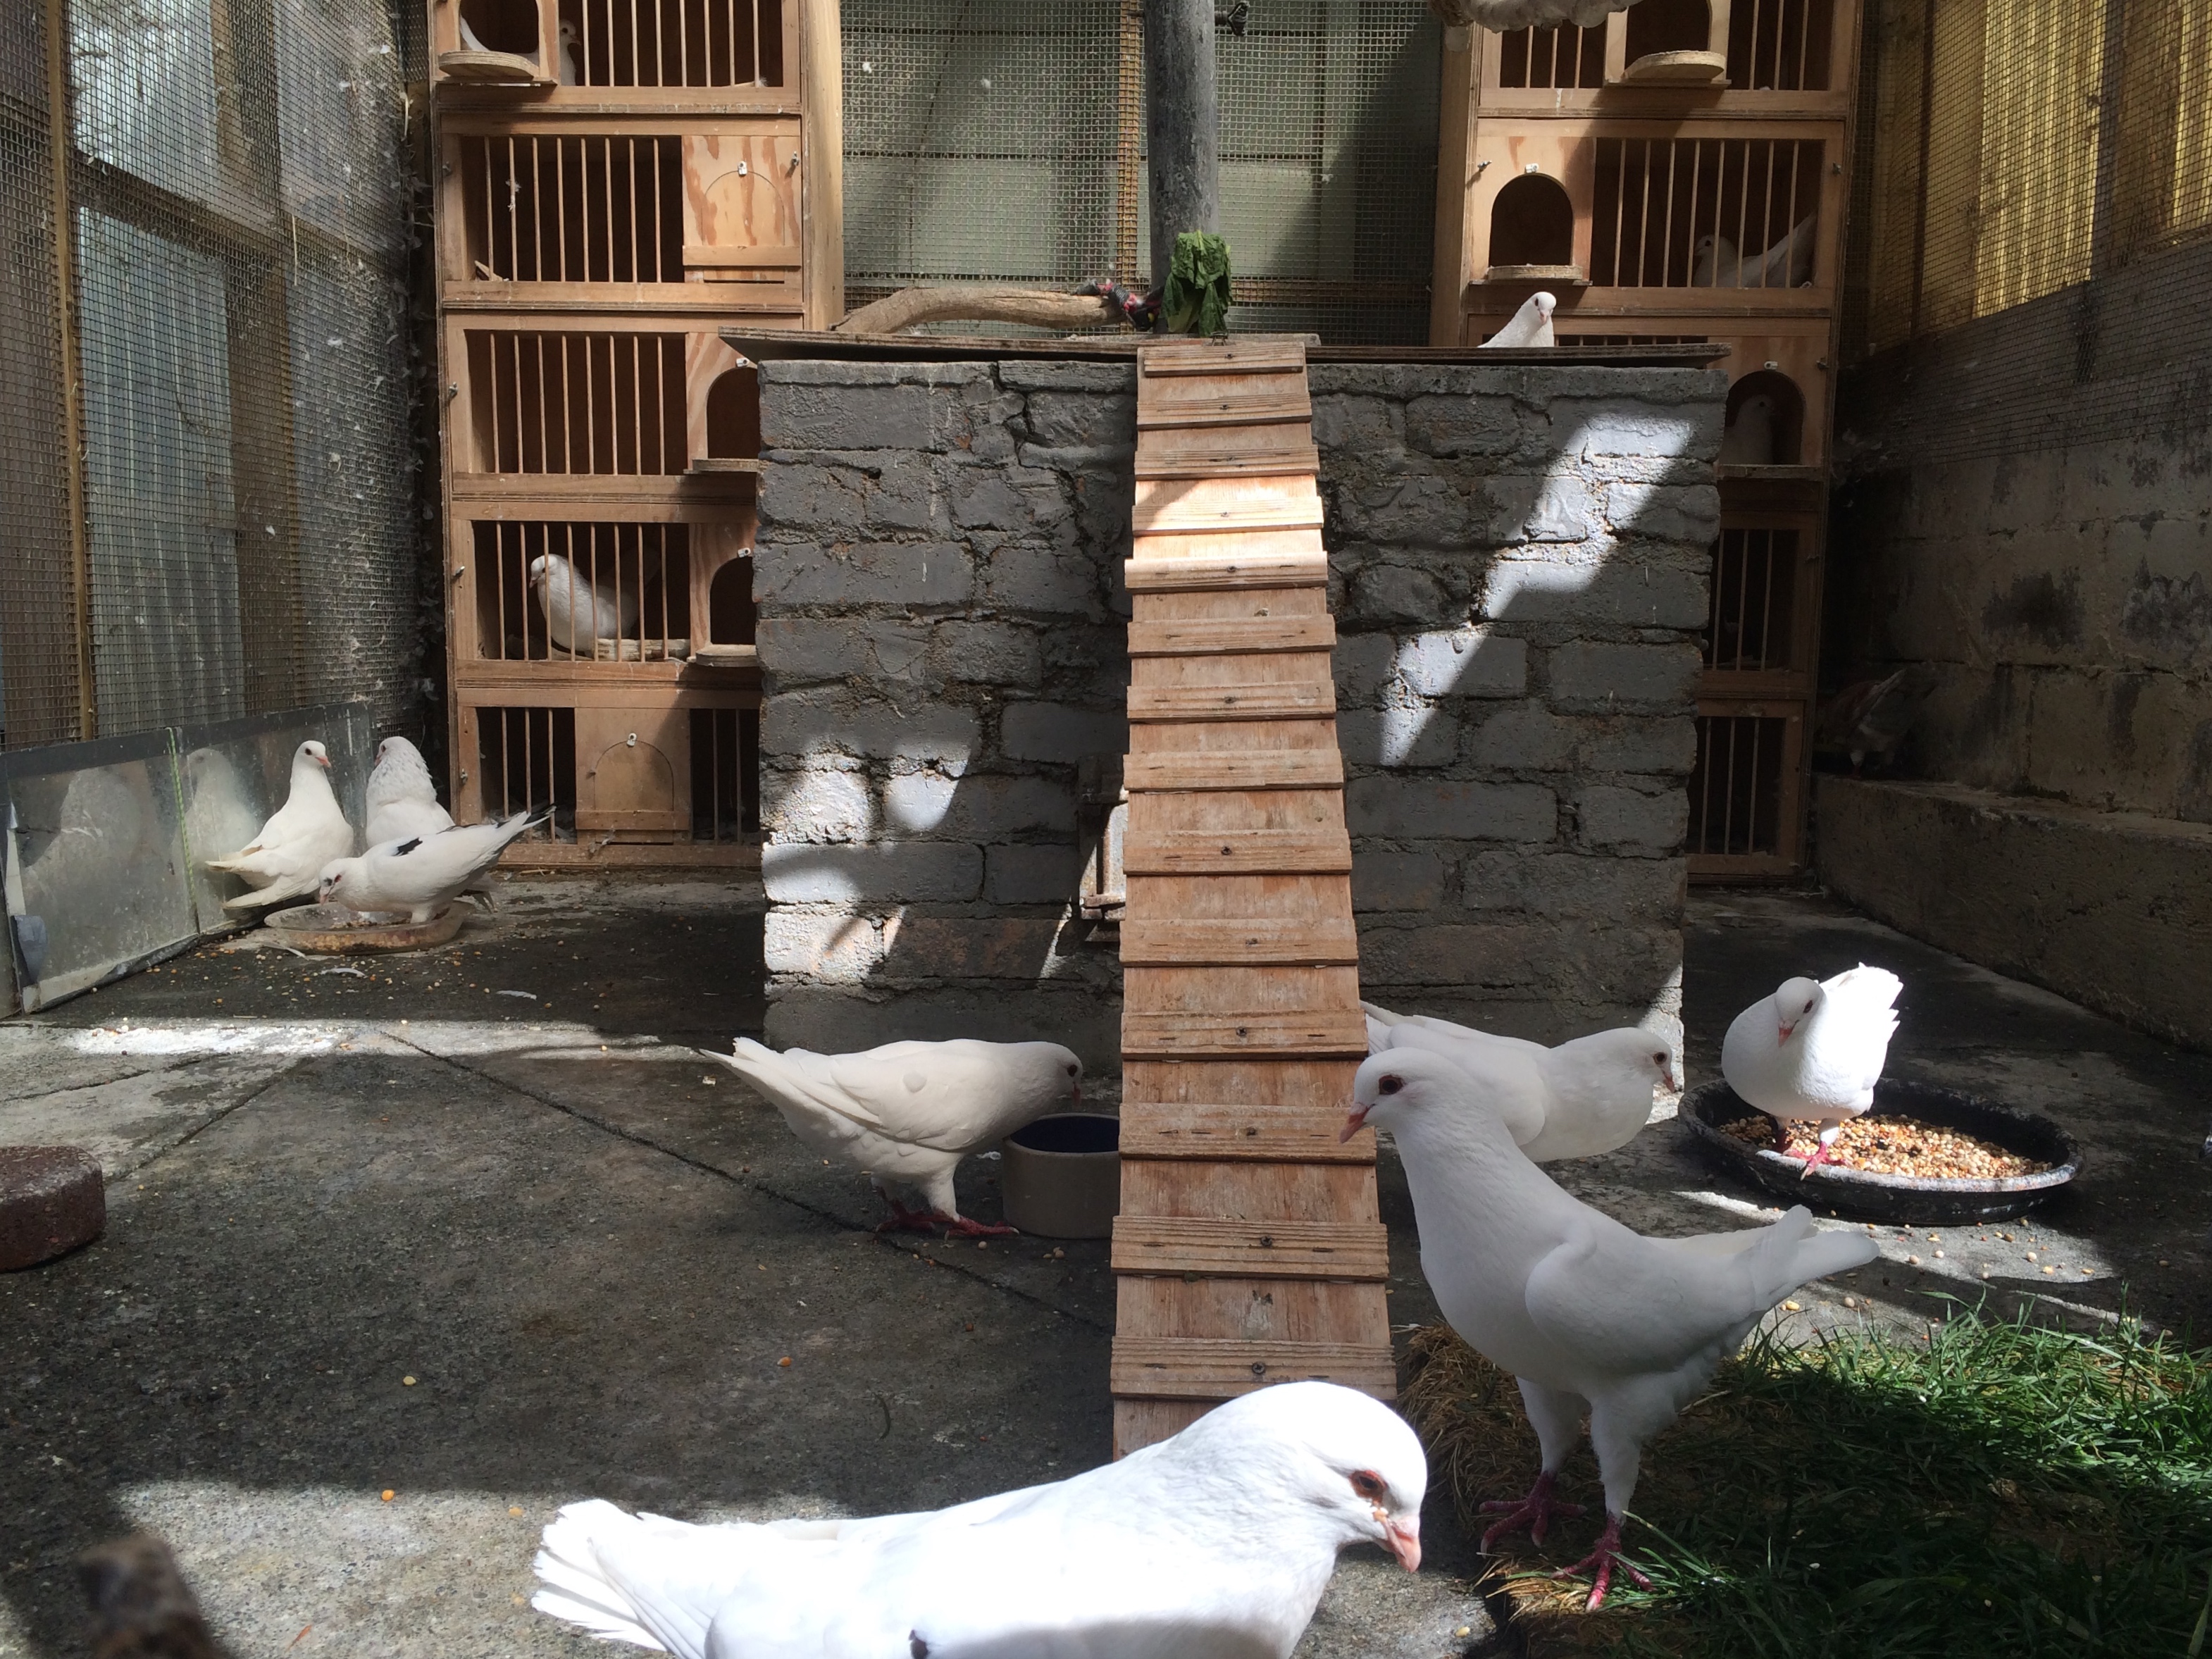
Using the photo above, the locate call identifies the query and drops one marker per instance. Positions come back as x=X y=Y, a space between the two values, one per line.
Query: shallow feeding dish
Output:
x=1062 y=1176
x=1916 y=1201
x=333 y=928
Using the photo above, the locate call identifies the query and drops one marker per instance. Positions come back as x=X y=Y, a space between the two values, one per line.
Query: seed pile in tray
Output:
x=1896 y=1147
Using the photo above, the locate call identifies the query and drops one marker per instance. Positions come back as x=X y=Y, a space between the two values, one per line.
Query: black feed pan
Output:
x=1915 y=1201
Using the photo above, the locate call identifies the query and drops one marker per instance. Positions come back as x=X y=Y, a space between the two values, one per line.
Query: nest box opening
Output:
x=729 y=610
x=508 y=26
x=1765 y=420
x=733 y=428
x=1655 y=26
x=1532 y=222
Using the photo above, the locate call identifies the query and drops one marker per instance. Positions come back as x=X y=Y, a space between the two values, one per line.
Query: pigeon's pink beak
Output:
x=1405 y=1542
x=322 y=761
x=1785 y=1030
x=1353 y=1125
x=1673 y=1082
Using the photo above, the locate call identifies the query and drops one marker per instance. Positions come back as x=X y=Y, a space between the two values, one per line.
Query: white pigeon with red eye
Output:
x=906 y=1113
x=1588 y=1096
x=1529 y=326
x=1586 y=1314
x=403 y=800
x=418 y=876
x=1814 y=1050
x=1218 y=1541
x=286 y=859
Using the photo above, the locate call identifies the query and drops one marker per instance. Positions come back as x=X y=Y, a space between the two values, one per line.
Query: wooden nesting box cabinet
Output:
x=617 y=183
x=1680 y=173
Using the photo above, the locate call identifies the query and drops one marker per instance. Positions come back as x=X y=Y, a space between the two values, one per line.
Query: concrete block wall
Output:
x=1518 y=560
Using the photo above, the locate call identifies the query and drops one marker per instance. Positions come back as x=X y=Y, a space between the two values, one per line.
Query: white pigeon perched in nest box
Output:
x=286 y=859
x=909 y=1112
x=1814 y=1050
x=1586 y=1097
x=1749 y=438
x=1531 y=325
x=1584 y=1313
x=420 y=874
x=403 y=801
x=579 y=614
x=1218 y=1541
x=1788 y=263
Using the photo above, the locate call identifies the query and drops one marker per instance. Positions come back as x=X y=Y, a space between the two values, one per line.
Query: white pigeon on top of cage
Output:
x=1531 y=325
x=1788 y=263
x=287 y=858
x=420 y=874
x=403 y=801
x=1814 y=1050
x=1749 y=438
x=578 y=612
x=909 y=1112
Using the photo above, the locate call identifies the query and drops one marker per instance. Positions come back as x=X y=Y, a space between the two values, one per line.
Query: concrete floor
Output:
x=394 y=1229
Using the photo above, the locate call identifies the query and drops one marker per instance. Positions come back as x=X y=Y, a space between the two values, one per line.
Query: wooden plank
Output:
x=1303 y=458
x=1319 y=1035
x=1241 y=1132
x=1181 y=518
x=1238 y=852
x=1247 y=358
x=1247 y=701
x=1188 y=942
x=1234 y=635
x=1232 y=1247
x=1259 y=406
x=1221 y=1368
x=1272 y=570
x=1267 y=768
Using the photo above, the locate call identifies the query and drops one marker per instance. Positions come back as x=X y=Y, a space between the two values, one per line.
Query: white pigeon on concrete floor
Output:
x=1583 y=1312
x=286 y=859
x=420 y=874
x=1788 y=263
x=1814 y=1050
x=578 y=614
x=1586 y=1097
x=1531 y=325
x=909 y=1112
x=403 y=801
x=1218 y=1541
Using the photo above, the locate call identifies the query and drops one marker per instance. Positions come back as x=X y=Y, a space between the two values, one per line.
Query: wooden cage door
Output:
x=633 y=770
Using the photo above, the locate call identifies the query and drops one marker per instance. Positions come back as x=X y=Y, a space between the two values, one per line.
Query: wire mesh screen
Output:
x=2037 y=195
x=989 y=141
x=229 y=200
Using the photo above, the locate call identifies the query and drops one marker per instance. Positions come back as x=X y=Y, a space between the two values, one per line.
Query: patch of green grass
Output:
x=2000 y=1488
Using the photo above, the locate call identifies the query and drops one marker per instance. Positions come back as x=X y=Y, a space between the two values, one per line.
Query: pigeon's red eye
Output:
x=1369 y=1485
x=1390 y=1085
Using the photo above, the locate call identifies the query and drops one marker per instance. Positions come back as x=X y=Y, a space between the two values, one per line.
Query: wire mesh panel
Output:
x=1706 y=212
x=543 y=208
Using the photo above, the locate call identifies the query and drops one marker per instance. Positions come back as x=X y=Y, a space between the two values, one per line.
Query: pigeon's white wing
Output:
x=950 y=1096
x=1508 y=1080
x=406 y=818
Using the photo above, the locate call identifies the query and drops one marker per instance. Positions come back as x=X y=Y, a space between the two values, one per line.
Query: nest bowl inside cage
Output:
x=336 y=930
x=1906 y=1199
x=1061 y=1175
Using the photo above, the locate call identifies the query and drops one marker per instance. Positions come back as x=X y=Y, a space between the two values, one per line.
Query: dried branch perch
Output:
x=1036 y=307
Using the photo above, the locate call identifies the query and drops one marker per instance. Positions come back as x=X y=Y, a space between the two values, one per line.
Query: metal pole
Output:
x=1182 y=118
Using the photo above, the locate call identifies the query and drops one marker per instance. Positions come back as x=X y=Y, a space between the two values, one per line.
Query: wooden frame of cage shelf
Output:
x=656 y=55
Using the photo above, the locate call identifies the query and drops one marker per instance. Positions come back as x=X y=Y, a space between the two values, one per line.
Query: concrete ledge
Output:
x=2113 y=910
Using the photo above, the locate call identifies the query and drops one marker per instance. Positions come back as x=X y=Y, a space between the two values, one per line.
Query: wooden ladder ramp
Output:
x=1249 y=1249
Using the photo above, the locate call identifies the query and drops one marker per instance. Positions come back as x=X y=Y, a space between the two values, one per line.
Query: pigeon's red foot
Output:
x=1819 y=1155
x=1534 y=1513
x=1603 y=1559
x=904 y=1220
x=959 y=1226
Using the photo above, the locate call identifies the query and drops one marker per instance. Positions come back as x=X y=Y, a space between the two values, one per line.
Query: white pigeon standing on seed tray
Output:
x=577 y=613
x=1588 y=1096
x=403 y=801
x=1814 y=1050
x=1583 y=1312
x=909 y=1112
x=1531 y=325
x=421 y=873
x=287 y=858
x=1218 y=1541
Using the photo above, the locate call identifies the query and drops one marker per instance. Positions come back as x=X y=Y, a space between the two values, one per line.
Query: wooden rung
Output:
x=1237 y=1134
x=1200 y=575
x=1181 y=942
x=1238 y=853
x=1268 y=407
x=1178 y=518
x=1218 y=1246
x=1249 y=768
x=1221 y=1368
x=1297 y=460
x=1231 y=635
x=1200 y=359
x=1308 y=700
x=1306 y=1035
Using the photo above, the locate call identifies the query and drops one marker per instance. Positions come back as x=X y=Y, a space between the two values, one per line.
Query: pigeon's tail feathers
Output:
x=1378 y=1036
x=575 y=1587
x=1792 y=1253
x=1381 y=1017
x=1865 y=988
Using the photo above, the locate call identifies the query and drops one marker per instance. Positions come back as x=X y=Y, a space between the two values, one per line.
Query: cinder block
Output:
x=889 y=871
x=1614 y=590
x=842 y=574
x=1384 y=880
x=1429 y=808
x=989 y=806
x=838 y=722
x=1354 y=432
x=1058 y=733
x=52 y=1199
x=1689 y=514
x=1031 y=875
x=1519 y=735
x=1460 y=425
x=815 y=805
x=1054 y=581
x=1598 y=427
x=1572 y=885
x=838 y=950
x=984 y=653
x=1629 y=820
x=803 y=650
x=1395 y=593
x=1059 y=420
x=1465 y=662
x=970 y=947
x=1587 y=672
x=1397 y=735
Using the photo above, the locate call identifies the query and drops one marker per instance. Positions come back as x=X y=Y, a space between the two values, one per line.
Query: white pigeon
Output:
x=1531 y=325
x=1506 y=15
x=578 y=614
x=909 y=1112
x=568 y=64
x=1788 y=263
x=1583 y=1312
x=1586 y=1097
x=1218 y=1541
x=1749 y=437
x=1814 y=1050
x=287 y=858
x=420 y=874
x=403 y=801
